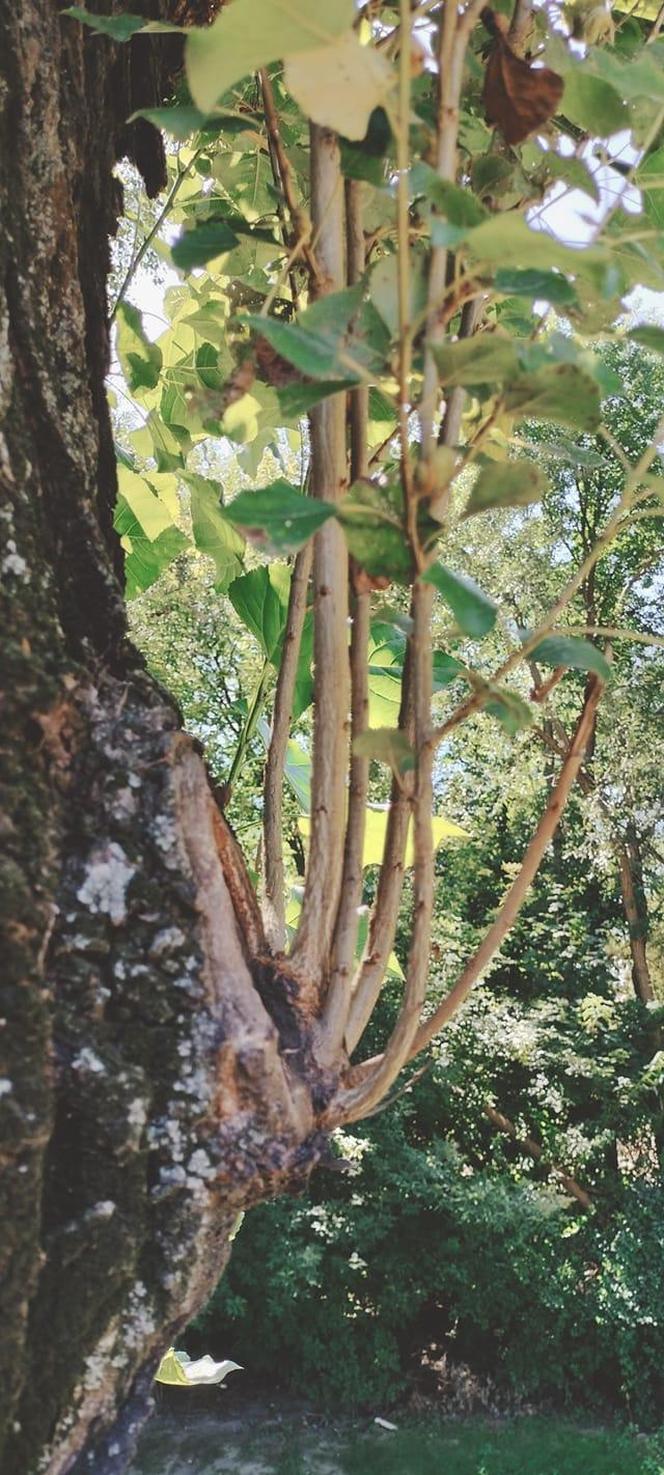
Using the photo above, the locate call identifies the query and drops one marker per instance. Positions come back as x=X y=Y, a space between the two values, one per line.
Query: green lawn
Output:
x=207 y=1446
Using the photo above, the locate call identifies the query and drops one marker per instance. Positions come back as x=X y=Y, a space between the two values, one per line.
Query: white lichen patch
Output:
x=107 y=878
x=199 y=1164
x=13 y=564
x=87 y=1061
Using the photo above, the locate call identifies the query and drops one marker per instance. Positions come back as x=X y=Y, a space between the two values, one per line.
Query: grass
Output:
x=526 y=1446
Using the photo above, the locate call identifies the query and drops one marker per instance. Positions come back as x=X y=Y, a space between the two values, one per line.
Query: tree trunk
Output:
x=636 y=911
x=153 y=1080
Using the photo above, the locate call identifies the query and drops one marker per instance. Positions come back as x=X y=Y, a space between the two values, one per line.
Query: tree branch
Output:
x=329 y=477
x=529 y=867
x=503 y=1124
x=345 y=934
x=274 y=910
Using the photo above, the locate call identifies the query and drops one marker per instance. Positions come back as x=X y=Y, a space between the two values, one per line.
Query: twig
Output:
x=520 y=886
x=503 y=1124
x=146 y=244
x=328 y=477
x=274 y=911
x=250 y=725
x=299 y=219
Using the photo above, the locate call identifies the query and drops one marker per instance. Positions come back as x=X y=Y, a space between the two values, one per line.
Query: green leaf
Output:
x=260 y=598
x=560 y=392
x=118 y=27
x=295 y=400
x=252 y=33
x=446 y=669
x=325 y=342
x=149 y=537
x=571 y=651
x=650 y=180
x=508 y=237
x=593 y=104
x=459 y=206
x=386 y=745
x=202 y=243
x=383 y=287
x=298 y=771
x=648 y=336
x=372 y=520
x=506 y=484
x=181 y=120
x=376 y=827
x=487 y=358
x=550 y=286
x=473 y=611
x=213 y=534
x=278 y=518
x=140 y=360
x=512 y=712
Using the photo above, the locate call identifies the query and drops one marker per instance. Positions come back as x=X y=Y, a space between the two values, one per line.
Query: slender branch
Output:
x=154 y=231
x=250 y=725
x=383 y=923
x=328 y=477
x=300 y=221
x=503 y=1124
x=529 y=867
x=345 y=933
x=274 y=911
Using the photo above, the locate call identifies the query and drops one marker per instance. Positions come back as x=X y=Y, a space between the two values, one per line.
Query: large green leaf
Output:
x=561 y=392
x=260 y=598
x=202 y=243
x=506 y=484
x=487 y=358
x=572 y=651
x=140 y=359
x=650 y=180
x=278 y=518
x=386 y=745
x=383 y=286
x=213 y=534
x=118 y=27
x=473 y=611
x=534 y=282
x=372 y=520
x=648 y=335
x=592 y=103
x=146 y=529
x=321 y=344
x=251 y=33
x=508 y=238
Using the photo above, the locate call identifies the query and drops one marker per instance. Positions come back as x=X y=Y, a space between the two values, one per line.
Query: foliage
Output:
x=414 y=1249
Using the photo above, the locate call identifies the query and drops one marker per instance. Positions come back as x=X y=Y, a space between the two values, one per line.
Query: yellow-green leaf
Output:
x=251 y=33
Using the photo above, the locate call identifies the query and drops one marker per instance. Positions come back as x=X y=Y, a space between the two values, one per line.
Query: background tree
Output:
x=168 y=1061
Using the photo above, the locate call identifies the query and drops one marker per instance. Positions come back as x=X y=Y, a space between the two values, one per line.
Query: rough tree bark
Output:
x=150 y=1083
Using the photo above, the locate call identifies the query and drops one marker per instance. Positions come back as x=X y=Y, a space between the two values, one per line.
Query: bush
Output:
x=340 y=1292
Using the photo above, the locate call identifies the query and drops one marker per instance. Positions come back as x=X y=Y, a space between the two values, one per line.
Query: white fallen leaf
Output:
x=338 y=86
x=206 y=1370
